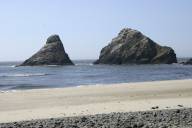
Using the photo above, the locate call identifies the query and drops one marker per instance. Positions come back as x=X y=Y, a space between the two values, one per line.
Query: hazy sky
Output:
x=85 y=26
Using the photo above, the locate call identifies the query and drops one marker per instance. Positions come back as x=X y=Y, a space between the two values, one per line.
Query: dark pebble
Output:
x=175 y=118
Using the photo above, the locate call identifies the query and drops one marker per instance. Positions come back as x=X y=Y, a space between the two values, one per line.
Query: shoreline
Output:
x=91 y=100
x=89 y=85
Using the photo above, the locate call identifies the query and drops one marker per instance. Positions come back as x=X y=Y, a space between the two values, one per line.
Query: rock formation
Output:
x=132 y=47
x=188 y=62
x=52 y=53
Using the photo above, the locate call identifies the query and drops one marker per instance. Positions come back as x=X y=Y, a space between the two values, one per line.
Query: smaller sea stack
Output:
x=53 y=53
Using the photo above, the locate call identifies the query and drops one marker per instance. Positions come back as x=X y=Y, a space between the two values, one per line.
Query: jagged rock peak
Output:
x=53 y=38
x=52 y=53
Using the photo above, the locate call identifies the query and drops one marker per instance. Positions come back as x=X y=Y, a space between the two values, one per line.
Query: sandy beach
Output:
x=90 y=100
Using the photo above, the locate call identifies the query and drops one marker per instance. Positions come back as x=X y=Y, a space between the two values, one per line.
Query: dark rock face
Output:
x=188 y=62
x=132 y=47
x=52 y=53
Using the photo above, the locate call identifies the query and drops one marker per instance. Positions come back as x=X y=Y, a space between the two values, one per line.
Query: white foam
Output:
x=12 y=66
x=82 y=64
x=89 y=85
x=23 y=75
x=52 y=65
x=7 y=91
x=80 y=86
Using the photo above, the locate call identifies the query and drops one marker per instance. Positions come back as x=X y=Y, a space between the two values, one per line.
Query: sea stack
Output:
x=52 y=53
x=188 y=62
x=132 y=47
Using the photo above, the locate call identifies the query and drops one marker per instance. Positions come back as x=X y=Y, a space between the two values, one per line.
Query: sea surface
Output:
x=85 y=73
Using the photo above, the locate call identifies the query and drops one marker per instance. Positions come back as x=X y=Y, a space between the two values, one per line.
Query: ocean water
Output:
x=84 y=73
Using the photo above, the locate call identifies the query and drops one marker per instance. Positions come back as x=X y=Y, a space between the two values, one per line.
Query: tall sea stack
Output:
x=53 y=53
x=132 y=47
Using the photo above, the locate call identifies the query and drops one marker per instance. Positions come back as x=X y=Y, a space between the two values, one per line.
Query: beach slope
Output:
x=91 y=100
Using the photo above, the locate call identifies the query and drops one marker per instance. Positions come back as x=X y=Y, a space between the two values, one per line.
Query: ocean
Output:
x=84 y=73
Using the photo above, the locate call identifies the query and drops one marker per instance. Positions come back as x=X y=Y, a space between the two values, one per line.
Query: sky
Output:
x=85 y=26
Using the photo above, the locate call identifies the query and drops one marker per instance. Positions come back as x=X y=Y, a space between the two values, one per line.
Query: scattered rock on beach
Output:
x=180 y=105
x=155 y=107
x=175 y=118
x=52 y=53
x=132 y=47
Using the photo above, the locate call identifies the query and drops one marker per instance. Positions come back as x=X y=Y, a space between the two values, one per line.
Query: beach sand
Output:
x=90 y=100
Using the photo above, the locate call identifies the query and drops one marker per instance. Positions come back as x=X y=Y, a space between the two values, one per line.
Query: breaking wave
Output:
x=23 y=75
